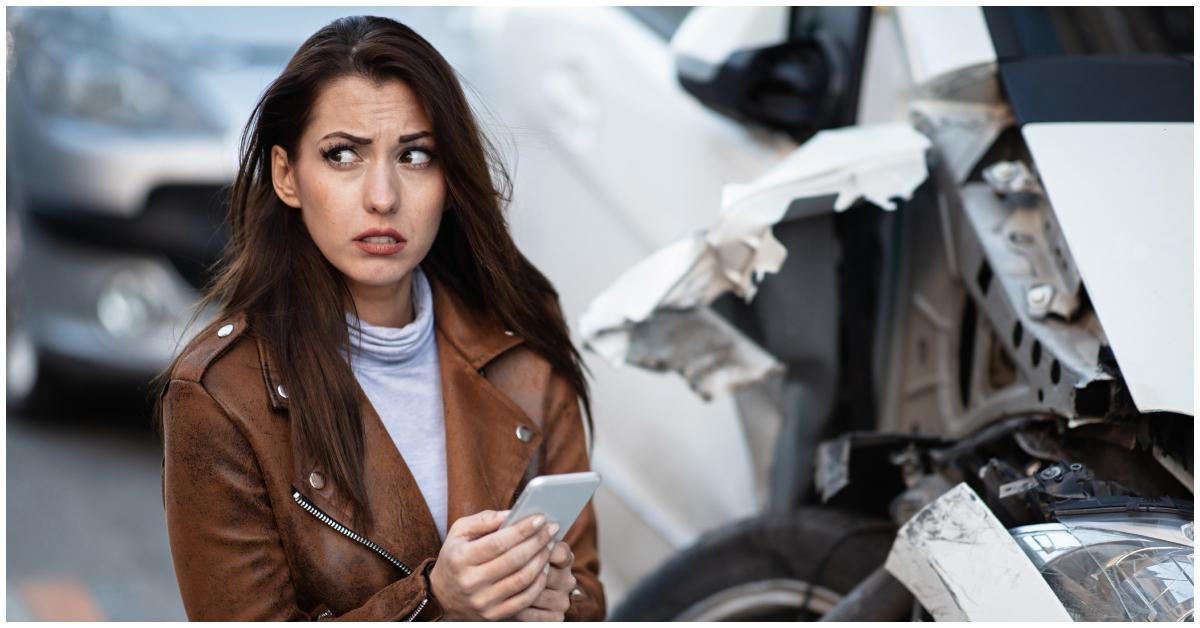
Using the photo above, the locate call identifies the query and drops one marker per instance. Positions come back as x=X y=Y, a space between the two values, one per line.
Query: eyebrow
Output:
x=366 y=140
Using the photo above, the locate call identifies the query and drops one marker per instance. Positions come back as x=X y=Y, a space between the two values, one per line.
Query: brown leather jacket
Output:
x=257 y=533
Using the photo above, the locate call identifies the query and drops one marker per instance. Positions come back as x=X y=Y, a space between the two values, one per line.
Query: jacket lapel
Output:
x=485 y=459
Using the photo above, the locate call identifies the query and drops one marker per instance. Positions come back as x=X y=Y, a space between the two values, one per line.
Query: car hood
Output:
x=225 y=56
x=1122 y=192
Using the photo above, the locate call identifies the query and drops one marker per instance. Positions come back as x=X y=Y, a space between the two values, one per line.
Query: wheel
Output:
x=764 y=569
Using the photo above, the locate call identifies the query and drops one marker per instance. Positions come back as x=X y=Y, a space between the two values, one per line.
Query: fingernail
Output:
x=550 y=545
x=538 y=521
x=553 y=529
x=546 y=569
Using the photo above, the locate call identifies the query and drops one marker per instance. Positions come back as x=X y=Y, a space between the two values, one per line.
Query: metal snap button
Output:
x=316 y=480
x=576 y=593
x=282 y=393
x=524 y=434
x=225 y=330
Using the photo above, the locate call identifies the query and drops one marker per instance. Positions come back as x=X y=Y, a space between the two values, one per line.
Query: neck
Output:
x=385 y=306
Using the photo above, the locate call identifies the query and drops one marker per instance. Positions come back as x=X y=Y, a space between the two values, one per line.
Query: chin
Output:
x=377 y=279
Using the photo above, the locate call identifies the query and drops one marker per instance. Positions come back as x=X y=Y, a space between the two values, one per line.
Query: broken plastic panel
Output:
x=1117 y=567
x=960 y=562
x=879 y=163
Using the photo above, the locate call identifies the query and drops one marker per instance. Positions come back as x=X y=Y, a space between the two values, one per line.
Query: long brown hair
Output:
x=294 y=298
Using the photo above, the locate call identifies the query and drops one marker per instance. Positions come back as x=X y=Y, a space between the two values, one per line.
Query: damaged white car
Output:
x=958 y=323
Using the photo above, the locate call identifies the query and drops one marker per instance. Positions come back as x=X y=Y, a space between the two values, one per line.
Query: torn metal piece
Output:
x=833 y=466
x=1175 y=468
x=714 y=356
x=1020 y=242
x=710 y=353
x=961 y=131
x=1017 y=487
x=1023 y=279
x=760 y=410
x=877 y=162
x=963 y=565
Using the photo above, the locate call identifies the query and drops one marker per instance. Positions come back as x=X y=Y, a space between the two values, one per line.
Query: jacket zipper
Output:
x=331 y=522
x=351 y=534
x=420 y=607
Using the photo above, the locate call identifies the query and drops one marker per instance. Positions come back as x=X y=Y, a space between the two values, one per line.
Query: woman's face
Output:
x=367 y=182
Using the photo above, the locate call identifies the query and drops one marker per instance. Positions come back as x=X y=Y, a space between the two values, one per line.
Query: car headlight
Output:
x=1118 y=566
x=78 y=62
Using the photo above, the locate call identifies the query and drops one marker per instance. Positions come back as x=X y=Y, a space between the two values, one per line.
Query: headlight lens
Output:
x=78 y=63
x=1116 y=567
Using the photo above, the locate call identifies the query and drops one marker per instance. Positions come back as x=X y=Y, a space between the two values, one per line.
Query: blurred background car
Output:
x=123 y=128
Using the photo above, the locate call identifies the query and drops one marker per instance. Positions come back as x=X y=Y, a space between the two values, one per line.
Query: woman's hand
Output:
x=486 y=573
x=552 y=603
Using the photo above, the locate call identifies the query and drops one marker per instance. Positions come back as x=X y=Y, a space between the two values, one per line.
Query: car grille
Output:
x=184 y=222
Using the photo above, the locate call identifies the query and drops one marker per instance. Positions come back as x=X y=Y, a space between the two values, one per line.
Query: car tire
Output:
x=780 y=567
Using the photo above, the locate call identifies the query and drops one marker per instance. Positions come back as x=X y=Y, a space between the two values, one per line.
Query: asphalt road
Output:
x=86 y=538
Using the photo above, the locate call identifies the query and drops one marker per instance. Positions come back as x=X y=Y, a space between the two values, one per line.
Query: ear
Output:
x=283 y=177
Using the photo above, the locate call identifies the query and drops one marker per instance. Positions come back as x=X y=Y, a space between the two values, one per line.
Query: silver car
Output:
x=123 y=128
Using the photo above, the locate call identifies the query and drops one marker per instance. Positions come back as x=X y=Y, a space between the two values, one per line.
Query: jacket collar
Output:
x=478 y=337
x=485 y=460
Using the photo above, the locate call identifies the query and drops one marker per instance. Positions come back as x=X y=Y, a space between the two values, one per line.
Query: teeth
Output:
x=380 y=240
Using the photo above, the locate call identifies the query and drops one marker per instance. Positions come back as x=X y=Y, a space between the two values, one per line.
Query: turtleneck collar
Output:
x=378 y=347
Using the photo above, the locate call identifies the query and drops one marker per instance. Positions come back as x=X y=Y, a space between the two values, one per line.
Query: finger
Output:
x=561 y=555
x=478 y=524
x=551 y=600
x=538 y=615
x=534 y=570
x=522 y=599
x=488 y=547
x=560 y=579
x=518 y=556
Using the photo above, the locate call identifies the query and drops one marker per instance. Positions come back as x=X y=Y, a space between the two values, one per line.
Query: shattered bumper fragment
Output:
x=963 y=565
x=656 y=314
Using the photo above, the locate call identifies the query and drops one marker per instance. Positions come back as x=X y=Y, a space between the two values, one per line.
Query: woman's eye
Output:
x=340 y=155
x=416 y=157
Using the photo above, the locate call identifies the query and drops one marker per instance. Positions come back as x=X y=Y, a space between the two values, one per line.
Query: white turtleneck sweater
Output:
x=397 y=368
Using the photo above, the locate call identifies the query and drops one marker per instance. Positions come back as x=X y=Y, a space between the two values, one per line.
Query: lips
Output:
x=380 y=241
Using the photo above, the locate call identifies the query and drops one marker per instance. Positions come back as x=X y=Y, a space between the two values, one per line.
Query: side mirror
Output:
x=742 y=63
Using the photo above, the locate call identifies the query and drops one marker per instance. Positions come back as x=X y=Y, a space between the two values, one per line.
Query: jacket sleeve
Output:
x=225 y=545
x=565 y=447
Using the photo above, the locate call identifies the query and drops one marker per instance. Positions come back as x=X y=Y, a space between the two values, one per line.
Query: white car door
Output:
x=612 y=160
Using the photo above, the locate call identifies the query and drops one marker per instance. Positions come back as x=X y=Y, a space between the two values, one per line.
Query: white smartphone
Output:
x=560 y=498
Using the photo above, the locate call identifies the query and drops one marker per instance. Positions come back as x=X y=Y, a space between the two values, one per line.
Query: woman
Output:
x=386 y=370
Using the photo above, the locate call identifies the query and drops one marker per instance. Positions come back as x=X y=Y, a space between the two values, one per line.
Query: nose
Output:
x=381 y=192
